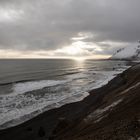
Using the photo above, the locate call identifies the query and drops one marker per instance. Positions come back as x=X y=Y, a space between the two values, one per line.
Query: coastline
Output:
x=67 y=120
x=17 y=106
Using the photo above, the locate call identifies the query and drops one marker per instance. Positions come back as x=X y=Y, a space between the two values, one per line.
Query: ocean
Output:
x=29 y=87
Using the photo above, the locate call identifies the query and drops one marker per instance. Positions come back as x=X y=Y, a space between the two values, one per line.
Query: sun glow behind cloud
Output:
x=79 y=50
x=79 y=47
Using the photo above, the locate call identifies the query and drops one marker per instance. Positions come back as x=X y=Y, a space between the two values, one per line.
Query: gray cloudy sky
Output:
x=62 y=28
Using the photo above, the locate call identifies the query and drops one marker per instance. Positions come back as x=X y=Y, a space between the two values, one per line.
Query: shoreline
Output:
x=17 y=119
x=48 y=124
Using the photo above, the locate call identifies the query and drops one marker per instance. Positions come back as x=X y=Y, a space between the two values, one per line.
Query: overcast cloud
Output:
x=50 y=26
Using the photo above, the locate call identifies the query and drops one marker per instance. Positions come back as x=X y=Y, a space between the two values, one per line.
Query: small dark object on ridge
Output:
x=29 y=129
x=41 y=132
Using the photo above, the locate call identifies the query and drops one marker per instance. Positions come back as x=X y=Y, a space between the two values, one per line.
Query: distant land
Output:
x=127 y=53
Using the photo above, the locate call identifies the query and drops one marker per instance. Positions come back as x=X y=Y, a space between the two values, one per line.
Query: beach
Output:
x=110 y=112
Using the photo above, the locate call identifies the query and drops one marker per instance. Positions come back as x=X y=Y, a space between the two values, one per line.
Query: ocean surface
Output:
x=30 y=87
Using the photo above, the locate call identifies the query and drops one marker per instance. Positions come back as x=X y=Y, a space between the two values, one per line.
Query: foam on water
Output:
x=21 y=88
x=29 y=99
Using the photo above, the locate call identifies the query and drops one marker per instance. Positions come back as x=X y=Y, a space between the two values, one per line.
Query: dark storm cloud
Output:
x=50 y=24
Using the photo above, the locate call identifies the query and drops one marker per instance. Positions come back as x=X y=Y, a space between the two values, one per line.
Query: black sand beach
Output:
x=111 y=112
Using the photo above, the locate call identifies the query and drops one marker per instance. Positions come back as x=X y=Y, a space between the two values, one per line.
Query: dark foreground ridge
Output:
x=111 y=112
